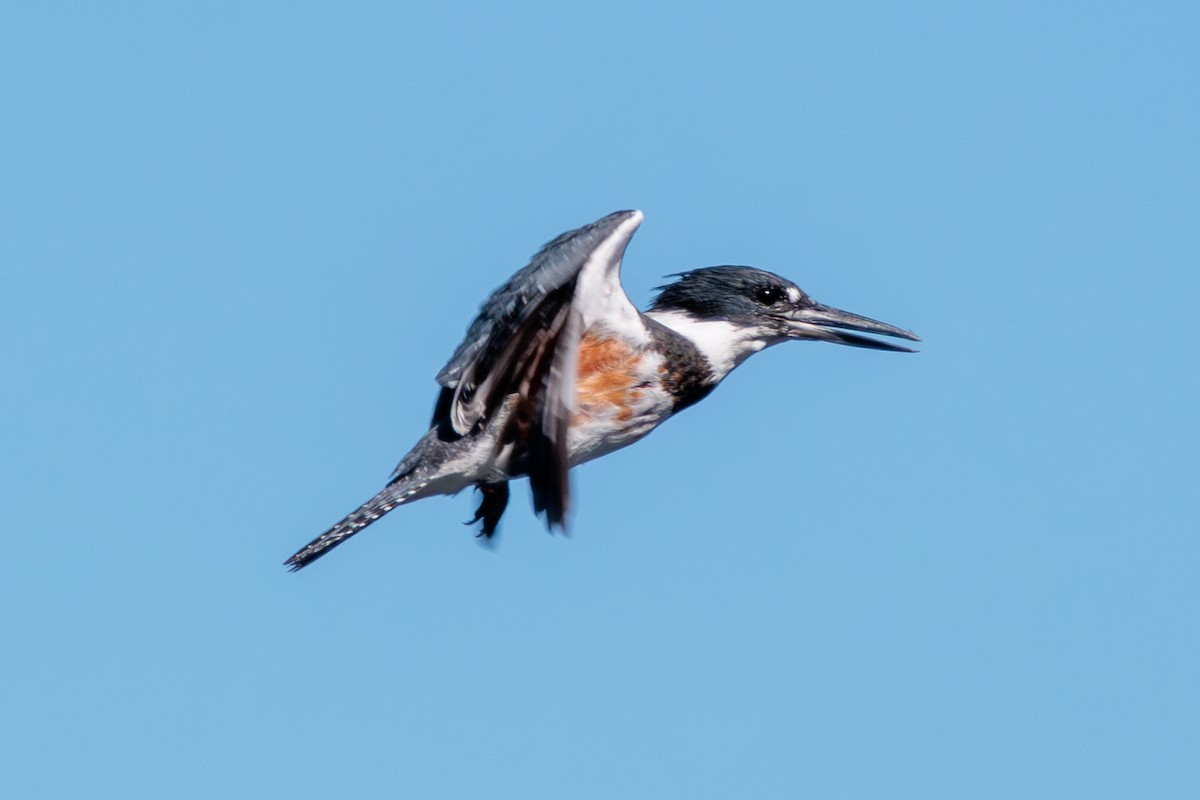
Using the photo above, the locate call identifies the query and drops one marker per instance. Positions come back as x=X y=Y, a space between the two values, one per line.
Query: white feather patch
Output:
x=724 y=344
x=599 y=295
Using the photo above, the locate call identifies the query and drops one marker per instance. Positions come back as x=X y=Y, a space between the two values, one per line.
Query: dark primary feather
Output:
x=532 y=427
x=526 y=353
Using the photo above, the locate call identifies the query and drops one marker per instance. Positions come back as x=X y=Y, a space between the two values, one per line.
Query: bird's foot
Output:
x=491 y=508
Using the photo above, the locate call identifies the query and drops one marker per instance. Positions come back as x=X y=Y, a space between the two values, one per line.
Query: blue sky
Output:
x=239 y=240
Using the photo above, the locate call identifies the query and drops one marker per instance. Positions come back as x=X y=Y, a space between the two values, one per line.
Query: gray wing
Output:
x=555 y=265
x=537 y=293
x=525 y=342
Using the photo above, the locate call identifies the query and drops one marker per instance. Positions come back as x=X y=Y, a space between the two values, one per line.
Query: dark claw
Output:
x=491 y=508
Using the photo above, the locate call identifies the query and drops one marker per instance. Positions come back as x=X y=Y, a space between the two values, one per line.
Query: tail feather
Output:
x=396 y=493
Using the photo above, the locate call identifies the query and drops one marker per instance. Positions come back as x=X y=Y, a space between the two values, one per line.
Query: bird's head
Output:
x=743 y=309
x=770 y=306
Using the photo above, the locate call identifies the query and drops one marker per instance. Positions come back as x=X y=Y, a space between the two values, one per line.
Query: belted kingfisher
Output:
x=560 y=368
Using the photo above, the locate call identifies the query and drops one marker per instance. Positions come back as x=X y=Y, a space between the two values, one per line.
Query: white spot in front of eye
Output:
x=793 y=294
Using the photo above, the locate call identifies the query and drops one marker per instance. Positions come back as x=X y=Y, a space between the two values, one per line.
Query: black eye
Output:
x=769 y=295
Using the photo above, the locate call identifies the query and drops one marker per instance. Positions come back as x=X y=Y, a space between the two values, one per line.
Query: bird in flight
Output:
x=560 y=368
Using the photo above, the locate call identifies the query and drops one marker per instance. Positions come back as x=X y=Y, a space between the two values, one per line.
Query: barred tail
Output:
x=396 y=493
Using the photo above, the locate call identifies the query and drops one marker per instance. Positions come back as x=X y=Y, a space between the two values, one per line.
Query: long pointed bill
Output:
x=831 y=325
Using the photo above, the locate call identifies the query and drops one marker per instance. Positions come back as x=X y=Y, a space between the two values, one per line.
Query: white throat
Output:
x=722 y=343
